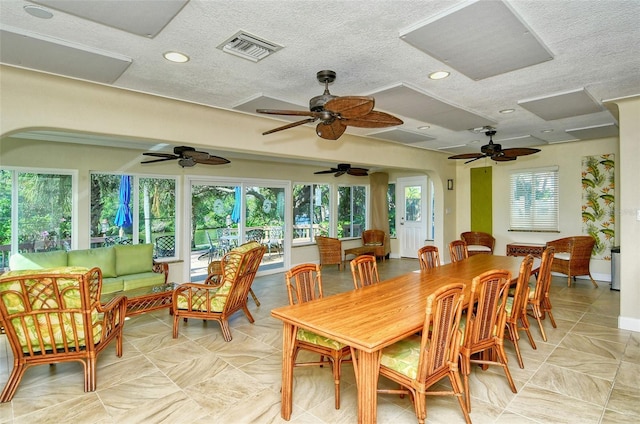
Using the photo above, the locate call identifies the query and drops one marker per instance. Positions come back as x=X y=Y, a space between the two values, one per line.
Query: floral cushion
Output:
x=316 y=339
x=403 y=356
x=217 y=298
x=41 y=298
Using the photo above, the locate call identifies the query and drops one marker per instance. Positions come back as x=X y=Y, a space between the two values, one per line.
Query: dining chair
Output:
x=428 y=257
x=304 y=283
x=420 y=361
x=478 y=242
x=458 y=250
x=364 y=271
x=483 y=326
x=516 y=308
x=539 y=302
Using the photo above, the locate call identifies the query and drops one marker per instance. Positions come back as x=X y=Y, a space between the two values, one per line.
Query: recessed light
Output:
x=438 y=75
x=507 y=110
x=176 y=57
x=424 y=127
x=38 y=12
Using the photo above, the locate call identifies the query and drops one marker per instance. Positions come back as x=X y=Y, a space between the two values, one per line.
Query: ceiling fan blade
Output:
x=212 y=160
x=288 y=112
x=502 y=158
x=339 y=173
x=474 y=159
x=350 y=106
x=161 y=155
x=373 y=119
x=328 y=171
x=159 y=160
x=330 y=130
x=519 y=151
x=291 y=125
x=358 y=172
x=467 y=156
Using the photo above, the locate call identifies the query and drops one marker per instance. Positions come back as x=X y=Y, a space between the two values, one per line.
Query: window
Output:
x=310 y=212
x=352 y=211
x=534 y=200
x=154 y=199
x=41 y=205
x=391 y=201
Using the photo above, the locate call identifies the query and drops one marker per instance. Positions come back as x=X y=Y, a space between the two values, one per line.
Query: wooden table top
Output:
x=376 y=316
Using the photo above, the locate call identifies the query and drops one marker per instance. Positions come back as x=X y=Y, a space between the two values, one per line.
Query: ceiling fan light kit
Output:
x=336 y=113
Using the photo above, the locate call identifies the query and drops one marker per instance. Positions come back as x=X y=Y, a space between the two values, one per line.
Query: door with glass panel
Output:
x=412 y=215
x=227 y=214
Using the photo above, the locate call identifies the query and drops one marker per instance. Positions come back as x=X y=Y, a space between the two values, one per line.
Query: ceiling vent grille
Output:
x=248 y=46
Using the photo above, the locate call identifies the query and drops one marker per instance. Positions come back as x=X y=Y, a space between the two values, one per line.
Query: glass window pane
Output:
x=391 y=200
x=352 y=211
x=413 y=202
x=310 y=212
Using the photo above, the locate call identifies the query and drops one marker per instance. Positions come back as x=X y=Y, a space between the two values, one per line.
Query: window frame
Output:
x=523 y=223
x=311 y=186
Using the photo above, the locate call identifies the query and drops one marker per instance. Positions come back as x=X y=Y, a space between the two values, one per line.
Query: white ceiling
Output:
x=552 y=61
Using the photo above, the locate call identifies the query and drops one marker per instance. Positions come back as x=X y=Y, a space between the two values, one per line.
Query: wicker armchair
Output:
x=572 y=256
x=55 y=315
x=478 y=242
x=219 y=298
x=375 y=238
x=330 y=251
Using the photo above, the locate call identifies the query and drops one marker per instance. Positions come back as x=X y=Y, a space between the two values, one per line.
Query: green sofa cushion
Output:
x=143 y=279
x=112 y=285
x=134 y=259
x=38 y=260
x=101 y=257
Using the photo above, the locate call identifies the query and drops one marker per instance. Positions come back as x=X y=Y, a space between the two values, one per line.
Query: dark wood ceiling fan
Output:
x=345 y=168
x=187 y=157
x=495 y=151
x=336 y=113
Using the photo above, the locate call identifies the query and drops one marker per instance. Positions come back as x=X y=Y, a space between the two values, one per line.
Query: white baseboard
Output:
x=627 y=323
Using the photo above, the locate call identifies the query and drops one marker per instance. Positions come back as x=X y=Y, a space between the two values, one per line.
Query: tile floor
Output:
x=587 y=372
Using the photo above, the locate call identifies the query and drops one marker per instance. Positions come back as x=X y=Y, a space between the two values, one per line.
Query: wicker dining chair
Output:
x=572 y=257
x=516 y=308
x=330 y=250
x=364 y=271
x=420 y=361
x=428 y=257
x=478 y=242
x=539 y=304
x=55 y=315
x=483 y=326
x=304 y=283
x=458 y=250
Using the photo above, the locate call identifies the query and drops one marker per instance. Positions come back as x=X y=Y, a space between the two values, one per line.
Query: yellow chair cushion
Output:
x=316 y=339
x=403 y=356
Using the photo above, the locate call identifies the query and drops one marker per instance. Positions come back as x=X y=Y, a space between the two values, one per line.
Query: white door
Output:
x=412 y=215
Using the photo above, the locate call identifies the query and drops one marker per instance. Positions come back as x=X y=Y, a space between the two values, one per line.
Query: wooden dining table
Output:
x=373 y=317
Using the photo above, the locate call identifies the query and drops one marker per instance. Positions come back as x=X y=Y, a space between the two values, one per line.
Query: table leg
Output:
x=288 y=343
x=368 y=364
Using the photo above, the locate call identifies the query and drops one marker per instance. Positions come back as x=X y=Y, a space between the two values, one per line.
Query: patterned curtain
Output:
x=598 y=206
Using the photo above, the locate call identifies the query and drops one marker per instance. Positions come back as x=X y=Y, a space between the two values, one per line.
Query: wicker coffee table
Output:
x=145 y=299
x=360 y=250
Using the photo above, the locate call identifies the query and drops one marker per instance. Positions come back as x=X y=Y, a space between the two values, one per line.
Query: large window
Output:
x=134 y=209
x=36 y=212
x=534 y=200
x=310 y=212
x=352 y=211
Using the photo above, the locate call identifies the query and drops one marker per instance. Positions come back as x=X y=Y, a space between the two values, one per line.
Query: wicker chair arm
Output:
x=113 y=315
x=215 y=273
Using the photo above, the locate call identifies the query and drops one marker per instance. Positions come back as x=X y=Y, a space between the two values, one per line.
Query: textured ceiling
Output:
x=574 y=51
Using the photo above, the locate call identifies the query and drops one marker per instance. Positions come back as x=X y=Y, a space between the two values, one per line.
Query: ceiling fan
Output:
x=187 y=157
x=345 y=168
x=496 y=152
x=336 y=113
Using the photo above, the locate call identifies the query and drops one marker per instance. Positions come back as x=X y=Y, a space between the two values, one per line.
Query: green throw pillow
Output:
x=134 y=258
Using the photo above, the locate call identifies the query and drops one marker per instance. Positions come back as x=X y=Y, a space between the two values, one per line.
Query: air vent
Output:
x=248 y=46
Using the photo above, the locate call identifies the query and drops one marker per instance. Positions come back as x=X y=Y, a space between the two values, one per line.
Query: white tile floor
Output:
x=587 y=372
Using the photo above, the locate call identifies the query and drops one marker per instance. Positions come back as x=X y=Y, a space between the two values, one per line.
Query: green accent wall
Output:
x=481 y=200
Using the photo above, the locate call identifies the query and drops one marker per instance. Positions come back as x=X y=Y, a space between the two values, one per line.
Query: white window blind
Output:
x=534 y=200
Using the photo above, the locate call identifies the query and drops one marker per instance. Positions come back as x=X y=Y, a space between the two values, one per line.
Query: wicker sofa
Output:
x=124 y=267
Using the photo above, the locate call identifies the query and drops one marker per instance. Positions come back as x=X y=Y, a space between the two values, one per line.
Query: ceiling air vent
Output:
x=249 y=46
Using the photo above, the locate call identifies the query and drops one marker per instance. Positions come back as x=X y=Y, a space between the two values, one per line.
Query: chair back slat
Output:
x=364 y=271
x=489 y=293
x=429 y=257
x=458 y=250
x=304 y=283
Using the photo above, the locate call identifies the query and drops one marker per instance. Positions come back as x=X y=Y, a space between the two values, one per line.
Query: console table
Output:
x=523 y=249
